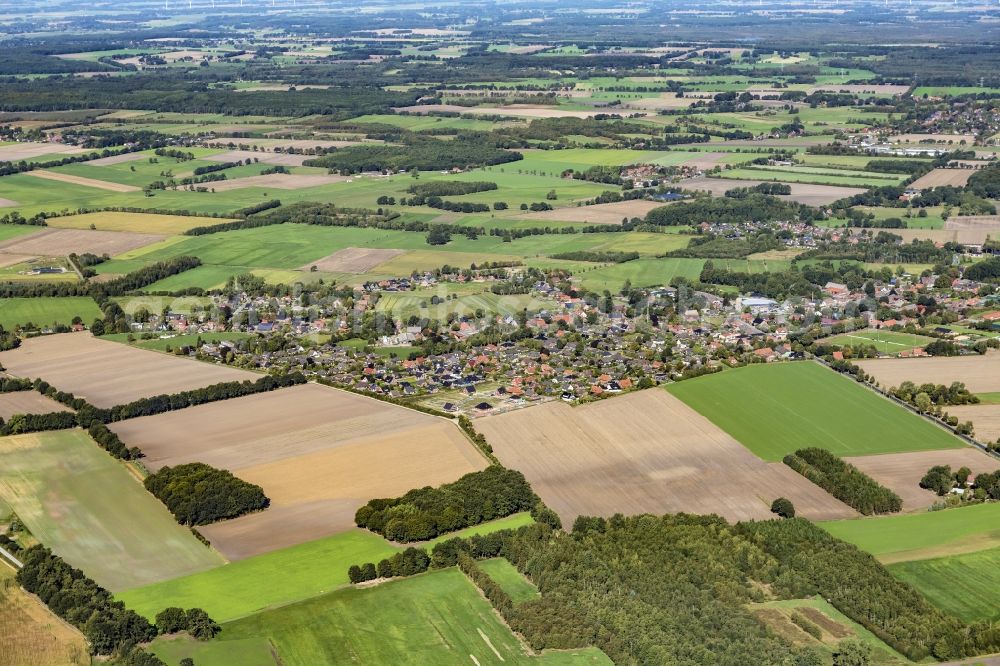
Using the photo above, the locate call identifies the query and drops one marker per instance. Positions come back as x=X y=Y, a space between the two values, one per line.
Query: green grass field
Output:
x=963 y=585
x=86 y=507
x=239 y=588
x=886 y=342
x=434 y=618
x=176 y=341
x=47 y=311
x=923 y=535
x=774 y=409
x=510 y=579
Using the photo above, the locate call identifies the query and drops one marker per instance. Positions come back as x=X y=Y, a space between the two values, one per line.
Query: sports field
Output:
x=886 y=342
x=980 y=374
x=47 y=311
x=434 y=618
x=86 y=507
x=775 y=409
x=963 y=585
x=923 y=535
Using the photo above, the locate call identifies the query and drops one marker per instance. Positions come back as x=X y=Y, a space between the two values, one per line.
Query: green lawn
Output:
x=774 y=409
x=434 y=618
x=886 y=342
x=272 y=579
x=509 y=579
x=86 y=507
x=923 y=535
x=964 y=585
x=47 y=311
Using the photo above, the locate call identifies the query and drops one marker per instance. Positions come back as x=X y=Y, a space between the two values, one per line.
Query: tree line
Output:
x=844 y=481
x=424 y=513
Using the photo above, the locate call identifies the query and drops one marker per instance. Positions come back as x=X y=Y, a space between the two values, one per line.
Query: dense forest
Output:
x=844 y=481
x=198 y=494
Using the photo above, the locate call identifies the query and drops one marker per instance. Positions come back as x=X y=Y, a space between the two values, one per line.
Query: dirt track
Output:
x=645 y=452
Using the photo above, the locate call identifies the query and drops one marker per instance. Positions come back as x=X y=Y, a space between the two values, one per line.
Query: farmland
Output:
x=94 y=369
x=27 y=402
x=613 y=456
x=963 y=585
x=46 y=312
x=981 y=374
x=308 y=447
x=886 y=342
x=438 y=618
x=32 y=634
x=776 y=409
x=90 y=510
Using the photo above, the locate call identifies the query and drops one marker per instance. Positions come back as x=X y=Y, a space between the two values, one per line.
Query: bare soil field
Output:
x=80 y=180
x=938 y=177
x=985 y=419
x=704 y=161
x=118 y=159
x=981 y=374
x=812 y=195
x=8 y=203
x=108 y=373
x=53 y=242
x=619 y=455
x=861 y=88
x=609 y=213
x=317 y=452
x=282 y=159
x=989 y=222
x=278 y=181
x=275 y=144
x=13 y=259
x=29 y=149
x=902 y=472
x=933 y=138
x=28 y=402
x=353 y=260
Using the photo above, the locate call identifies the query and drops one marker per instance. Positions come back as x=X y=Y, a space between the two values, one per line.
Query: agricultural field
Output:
x=810 y=194
x=33 y=635
x=90 y=510
x=985 y=419
x=107 y=373
x=774 y=409
x=43 y=312
x=28 y=402
x=309 y=447
x=922 y=536
x=980 y=374
x=510 y=579
x=940 y=177
x=962 y=585
x=438 y=618
x=901 y=472
x=889 y=343
x=614 y=456
x=147 y=223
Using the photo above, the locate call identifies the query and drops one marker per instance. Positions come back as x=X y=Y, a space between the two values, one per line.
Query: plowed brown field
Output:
x=981 y=374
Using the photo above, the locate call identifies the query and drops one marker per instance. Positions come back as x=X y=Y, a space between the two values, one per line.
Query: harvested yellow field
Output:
x=980 y=374
x=609 y=213
x=318 y=453
x=32 y=634
x=149 y=223
x=901 y=472
x=80 y=180
x=939 y=177
x=108 y=373
x=645 y=452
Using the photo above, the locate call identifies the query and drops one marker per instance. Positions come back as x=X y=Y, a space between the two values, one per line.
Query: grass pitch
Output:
x=775 y=409
x=886 y=342
x=86 y=507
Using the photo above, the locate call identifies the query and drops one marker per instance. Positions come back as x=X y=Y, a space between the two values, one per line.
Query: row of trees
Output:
x=424 y=513
x=198 y=494
x=598 y=256
x=844 y=481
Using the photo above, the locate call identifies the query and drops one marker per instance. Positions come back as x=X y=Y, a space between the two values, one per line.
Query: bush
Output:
x=783 y=507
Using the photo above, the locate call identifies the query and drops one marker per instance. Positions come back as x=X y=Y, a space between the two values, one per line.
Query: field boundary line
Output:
x=18 y=564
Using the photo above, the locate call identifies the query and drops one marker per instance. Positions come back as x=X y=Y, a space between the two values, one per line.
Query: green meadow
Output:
x=775 y=409
x=47 y=311
x=963 y=585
